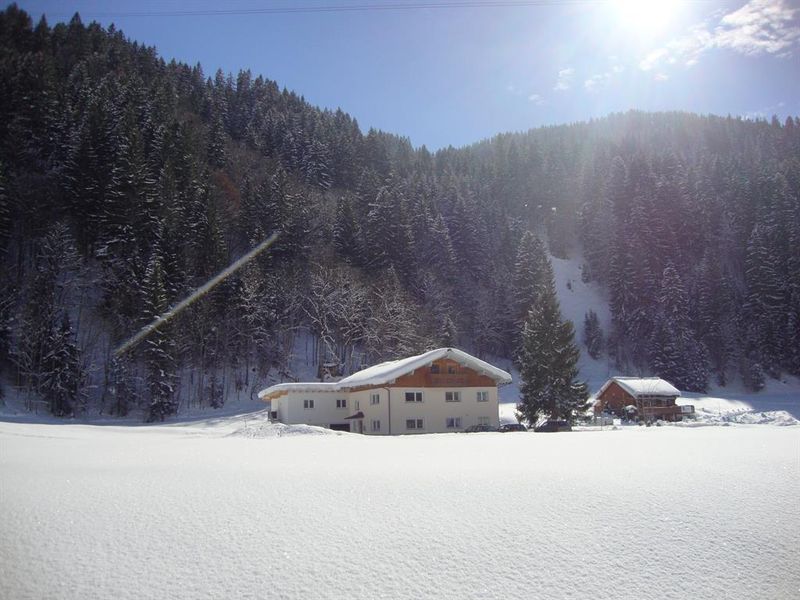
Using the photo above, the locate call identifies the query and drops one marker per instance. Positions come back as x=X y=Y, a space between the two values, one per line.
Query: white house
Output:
x=439 y=391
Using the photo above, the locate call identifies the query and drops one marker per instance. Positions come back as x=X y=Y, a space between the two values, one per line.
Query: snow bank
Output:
x=269 y=430
x=771 y=417
x=771 y=408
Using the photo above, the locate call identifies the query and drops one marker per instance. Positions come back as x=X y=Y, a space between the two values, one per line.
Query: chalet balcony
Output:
x=447 y=380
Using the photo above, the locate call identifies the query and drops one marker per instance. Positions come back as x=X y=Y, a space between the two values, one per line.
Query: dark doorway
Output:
x=340 y=426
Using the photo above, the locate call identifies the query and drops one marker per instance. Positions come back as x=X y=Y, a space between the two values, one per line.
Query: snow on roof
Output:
x=643 y=386
x=389 y=371
x=300 y=387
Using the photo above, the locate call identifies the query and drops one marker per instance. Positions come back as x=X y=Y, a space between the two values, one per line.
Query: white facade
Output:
x=310 y=407
x=376 y=407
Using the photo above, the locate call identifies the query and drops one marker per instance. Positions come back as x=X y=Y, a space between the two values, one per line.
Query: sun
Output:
x=645 y=17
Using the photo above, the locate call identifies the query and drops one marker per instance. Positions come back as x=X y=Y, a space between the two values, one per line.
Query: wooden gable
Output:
x=444 y=373
x=615 y=397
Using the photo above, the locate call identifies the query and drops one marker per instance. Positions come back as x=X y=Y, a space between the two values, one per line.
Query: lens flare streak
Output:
x=196 y=295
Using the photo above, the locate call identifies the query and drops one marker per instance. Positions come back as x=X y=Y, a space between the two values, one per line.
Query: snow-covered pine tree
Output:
x=215 y=392
x=528 y=275
x=596 y=223
x=468 y=237
x=548 y=360
x=159 y=347
x=44 y=297
x=388 y=231
x=121 y=388
x=5 y=212
x=793 y=285
x=713 y=315
x=35 y=329
x=257 y=315
x=62 y=373
x=216 y=142
x=763 y=301
x=438 y=249
x=346 y=234
x=675 y=353
x=290 y=214
x=592 y=334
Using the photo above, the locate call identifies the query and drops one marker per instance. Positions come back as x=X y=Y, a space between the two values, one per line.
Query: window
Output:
x=483 y=396
x=435 y=369
x=453 y=422
x=341 y=403
x=413 y=396
x=452 y=396
x=376 y=425
x=375 y=399
x=308 y=404
x=483 y=420
x=451 y=369
x=414 y=424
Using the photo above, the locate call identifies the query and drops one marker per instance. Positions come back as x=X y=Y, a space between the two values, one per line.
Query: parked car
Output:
x=505 y=427
x=479 y=428
x=553 y=425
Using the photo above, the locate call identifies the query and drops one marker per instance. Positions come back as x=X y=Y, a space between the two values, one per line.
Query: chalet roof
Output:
x=387 y=372
x=643 y=386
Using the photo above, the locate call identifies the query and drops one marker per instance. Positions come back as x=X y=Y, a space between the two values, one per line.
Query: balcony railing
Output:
x=445 y=379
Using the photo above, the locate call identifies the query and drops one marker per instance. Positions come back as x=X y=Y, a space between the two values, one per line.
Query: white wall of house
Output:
x=394 y=411
x=313 y=408
x=442 y=409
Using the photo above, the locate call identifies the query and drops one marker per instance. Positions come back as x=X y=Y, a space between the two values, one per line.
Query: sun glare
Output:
x=645 y=17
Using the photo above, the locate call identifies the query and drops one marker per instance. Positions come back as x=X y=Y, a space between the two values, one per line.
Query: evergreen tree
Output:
x=548 y=361
x=530 y=274
x=592 y=334
x=763 y=302
x=676 y=355
x=5 y=213
x=159 y=346
x=62 y=372
x=121 y=387
x=346 y=234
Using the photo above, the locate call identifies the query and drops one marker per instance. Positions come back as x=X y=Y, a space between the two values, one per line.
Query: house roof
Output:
x=643 y=386
x=387 y=372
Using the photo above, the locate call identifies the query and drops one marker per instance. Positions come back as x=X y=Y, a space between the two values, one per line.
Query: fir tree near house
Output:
x=548 y=359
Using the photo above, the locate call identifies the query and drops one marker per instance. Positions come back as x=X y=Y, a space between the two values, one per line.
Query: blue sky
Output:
x=453 y=76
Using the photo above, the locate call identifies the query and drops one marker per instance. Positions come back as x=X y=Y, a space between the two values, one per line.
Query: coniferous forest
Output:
x=127 y=182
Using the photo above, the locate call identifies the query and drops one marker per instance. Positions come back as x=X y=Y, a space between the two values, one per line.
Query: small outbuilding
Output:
x=644 y=398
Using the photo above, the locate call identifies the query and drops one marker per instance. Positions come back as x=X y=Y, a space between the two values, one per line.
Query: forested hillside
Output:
x=127 y=182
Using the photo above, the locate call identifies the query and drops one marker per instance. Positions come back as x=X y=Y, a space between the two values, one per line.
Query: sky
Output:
x=457 y=74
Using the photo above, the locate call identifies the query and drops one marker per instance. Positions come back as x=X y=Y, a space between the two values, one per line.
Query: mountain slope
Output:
x=126 y=183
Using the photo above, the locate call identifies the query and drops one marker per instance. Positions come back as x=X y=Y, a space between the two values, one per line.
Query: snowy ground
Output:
x=230 y=507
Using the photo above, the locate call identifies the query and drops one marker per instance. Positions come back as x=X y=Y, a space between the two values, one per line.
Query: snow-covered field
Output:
x=232 y=508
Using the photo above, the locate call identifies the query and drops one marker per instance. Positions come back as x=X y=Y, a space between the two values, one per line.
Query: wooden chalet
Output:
x=640 y=398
